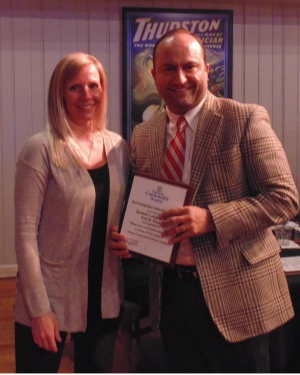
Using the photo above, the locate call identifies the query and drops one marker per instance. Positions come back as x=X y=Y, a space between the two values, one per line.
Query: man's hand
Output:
x=45 y=331
x=185 y=222
x=117 y=244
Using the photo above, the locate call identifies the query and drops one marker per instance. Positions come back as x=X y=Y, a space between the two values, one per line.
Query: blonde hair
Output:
x=59 y=129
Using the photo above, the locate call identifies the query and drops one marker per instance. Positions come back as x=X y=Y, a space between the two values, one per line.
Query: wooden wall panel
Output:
x=114 y=66
x=36 y=34
x=265 y=57
x=290 y=86
x=251 y=54
x=7 y=127
x=37 y=68
x=277 y=69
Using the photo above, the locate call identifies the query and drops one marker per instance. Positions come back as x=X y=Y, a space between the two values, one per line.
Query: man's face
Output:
x=180 y=74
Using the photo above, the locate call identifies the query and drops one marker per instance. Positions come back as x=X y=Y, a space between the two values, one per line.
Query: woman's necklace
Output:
x=86 y=155
x=91 y=148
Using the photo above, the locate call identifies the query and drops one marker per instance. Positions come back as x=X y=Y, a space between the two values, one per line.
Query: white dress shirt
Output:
x=185 y=254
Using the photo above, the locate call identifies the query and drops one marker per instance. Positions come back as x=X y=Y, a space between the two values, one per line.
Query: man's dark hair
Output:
x=174 y=32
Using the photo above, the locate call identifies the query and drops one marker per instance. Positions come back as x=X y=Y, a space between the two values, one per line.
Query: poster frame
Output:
x=139 y=23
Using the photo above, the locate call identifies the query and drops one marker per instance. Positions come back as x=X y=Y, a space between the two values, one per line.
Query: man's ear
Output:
x=207 y=70
x=153 y=73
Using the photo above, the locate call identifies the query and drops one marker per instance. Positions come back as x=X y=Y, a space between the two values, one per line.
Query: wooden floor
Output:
x=130 y=356
x=7 y=290
x=7 y=342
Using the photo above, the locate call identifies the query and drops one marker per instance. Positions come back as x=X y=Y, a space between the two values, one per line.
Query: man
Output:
x=228 y=289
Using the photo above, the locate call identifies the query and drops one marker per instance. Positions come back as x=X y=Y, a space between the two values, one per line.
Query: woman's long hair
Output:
x=59 y=129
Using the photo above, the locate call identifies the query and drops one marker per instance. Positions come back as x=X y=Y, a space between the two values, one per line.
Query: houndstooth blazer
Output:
x=240 y=173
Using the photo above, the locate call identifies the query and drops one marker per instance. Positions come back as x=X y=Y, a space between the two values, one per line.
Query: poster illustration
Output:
x=142 y=28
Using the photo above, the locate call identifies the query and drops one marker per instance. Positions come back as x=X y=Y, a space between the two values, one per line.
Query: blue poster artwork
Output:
x=141 y=30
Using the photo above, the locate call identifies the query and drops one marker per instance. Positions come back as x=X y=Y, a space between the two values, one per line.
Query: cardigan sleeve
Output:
x=32 y=175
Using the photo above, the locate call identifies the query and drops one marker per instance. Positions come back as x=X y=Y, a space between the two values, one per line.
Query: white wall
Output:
x=35 y=34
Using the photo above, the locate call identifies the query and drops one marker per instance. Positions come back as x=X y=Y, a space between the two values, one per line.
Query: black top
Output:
x=100 y=177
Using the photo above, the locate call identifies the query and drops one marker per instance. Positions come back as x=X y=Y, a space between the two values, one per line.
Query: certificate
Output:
x=147 y=197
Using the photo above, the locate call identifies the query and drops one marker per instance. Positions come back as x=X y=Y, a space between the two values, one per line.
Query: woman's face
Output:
x=83 y=95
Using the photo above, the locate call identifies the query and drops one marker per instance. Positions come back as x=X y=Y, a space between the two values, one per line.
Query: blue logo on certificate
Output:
x=157 y=195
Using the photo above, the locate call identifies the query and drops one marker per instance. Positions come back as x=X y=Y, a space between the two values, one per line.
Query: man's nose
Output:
x=180 y=76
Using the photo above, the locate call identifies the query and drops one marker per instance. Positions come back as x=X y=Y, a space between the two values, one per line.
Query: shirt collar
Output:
x=191 y=116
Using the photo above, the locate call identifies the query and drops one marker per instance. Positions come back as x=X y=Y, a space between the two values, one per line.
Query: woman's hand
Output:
x=117 y=244
x=45 y=331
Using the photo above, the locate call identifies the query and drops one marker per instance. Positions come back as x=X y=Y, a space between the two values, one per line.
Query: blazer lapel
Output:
x=208 y=127
x=157 y=144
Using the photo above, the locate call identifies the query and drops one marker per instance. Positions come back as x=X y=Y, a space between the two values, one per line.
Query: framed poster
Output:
x=142 y=27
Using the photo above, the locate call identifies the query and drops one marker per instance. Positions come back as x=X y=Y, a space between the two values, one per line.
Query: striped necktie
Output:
x=172 y=168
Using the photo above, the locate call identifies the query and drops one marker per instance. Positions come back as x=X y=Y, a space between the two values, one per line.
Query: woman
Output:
x=70 y=183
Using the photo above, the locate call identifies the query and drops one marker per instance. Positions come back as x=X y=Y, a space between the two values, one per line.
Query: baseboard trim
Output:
x=8 y=270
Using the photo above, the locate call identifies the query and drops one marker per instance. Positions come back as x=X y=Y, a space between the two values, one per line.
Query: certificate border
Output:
x=188 y=198
x=139 y=91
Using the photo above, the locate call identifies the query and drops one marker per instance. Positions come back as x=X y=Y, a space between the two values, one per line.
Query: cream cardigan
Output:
x=54 y=211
